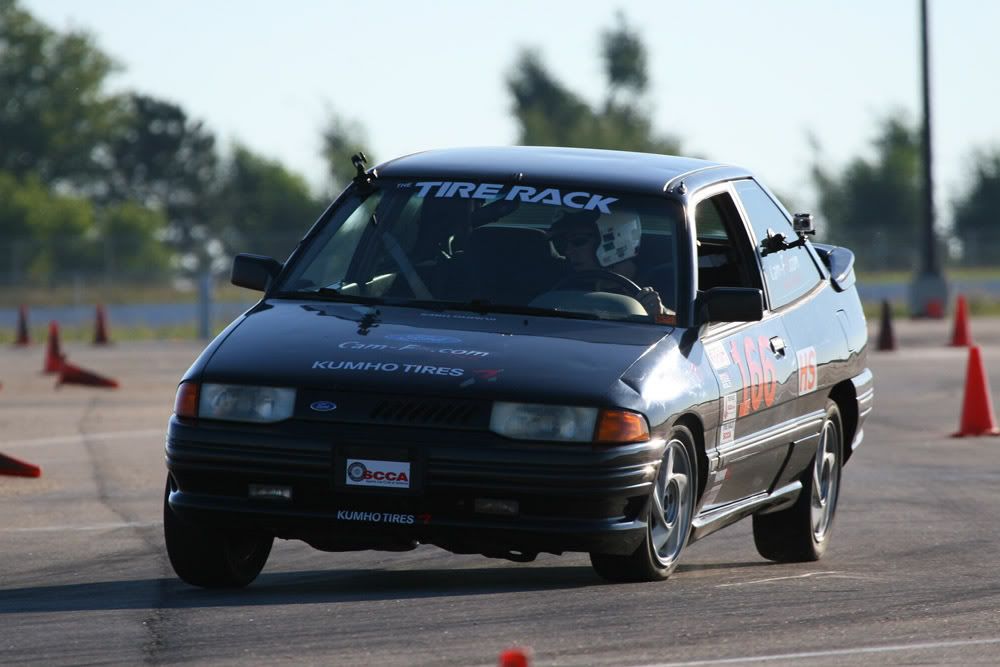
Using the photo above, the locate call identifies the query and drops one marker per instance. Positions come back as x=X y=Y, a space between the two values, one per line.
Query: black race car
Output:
x=508 y=351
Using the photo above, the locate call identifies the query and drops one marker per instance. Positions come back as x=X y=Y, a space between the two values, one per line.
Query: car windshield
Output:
x=533 y=248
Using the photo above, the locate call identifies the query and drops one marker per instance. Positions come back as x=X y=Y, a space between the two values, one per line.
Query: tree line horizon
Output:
x=128 y=185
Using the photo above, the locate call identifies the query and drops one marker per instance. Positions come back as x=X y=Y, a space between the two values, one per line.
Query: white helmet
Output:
x=619 y=237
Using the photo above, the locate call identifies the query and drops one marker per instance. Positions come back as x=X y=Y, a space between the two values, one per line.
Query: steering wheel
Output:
x=594 y=276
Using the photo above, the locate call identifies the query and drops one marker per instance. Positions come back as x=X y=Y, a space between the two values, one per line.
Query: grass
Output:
x=11 y=297
x=905 y=277
x=978 y=307
x=85 y=333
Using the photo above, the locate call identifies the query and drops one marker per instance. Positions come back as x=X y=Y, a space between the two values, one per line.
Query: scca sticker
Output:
x=550 y=196
x=367 y=472
x=717 y=356
x=729 y=405
x=727 y=433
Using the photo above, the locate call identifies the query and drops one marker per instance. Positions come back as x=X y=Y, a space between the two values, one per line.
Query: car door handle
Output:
x=778 y=346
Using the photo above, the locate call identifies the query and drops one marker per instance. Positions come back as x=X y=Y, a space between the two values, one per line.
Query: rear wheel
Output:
x=802 y=532
x=212 y=558
x=671 y=509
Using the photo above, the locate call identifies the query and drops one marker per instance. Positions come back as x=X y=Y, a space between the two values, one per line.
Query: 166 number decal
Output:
x=760 y=377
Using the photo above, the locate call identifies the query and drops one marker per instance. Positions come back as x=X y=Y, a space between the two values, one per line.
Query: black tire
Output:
x=212 y=558
x=670 y=511
x=801 y=533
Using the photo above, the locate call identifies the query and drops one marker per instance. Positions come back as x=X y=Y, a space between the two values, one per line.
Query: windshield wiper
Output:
x=487 y=306
x=330 y=294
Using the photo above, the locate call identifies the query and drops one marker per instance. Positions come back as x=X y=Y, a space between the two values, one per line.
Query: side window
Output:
x=790 y=273
x=724 y=260
x=709 y=217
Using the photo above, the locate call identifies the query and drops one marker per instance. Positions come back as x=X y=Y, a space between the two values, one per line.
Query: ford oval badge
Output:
x=323 y=406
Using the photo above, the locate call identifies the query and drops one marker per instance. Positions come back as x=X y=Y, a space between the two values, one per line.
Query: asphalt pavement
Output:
x=911 y=576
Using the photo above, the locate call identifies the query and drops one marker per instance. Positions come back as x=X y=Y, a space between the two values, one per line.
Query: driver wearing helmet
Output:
x=606 y=243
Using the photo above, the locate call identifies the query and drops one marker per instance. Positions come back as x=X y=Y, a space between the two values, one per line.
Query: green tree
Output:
x=550 y=114
x=54 y=116
x=49 y=237
x=167 y=162
x=266 y=209
x=977 y=212
x=342 y=138
x=130 y=242
x=624 y=59
x=873 y=206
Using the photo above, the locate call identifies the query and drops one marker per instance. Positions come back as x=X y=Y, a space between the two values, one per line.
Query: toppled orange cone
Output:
x=15 y=468
x=53 y=356
x=977 y=407
x=960 y=336
x=101 y=327
x=22 y=338
x=514 y=657
x=70 y=374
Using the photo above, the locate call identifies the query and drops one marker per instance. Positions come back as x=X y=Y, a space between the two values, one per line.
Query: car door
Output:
x=797 y=290
x=753 y=362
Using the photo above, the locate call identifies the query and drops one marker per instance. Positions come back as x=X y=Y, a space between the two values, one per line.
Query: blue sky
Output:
x=739 y=82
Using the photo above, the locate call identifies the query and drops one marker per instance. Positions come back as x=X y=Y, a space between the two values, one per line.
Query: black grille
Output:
x=425 y=412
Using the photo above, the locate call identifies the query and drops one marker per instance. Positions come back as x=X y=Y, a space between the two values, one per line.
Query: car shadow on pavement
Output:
x=304 y=587
x=695 y=567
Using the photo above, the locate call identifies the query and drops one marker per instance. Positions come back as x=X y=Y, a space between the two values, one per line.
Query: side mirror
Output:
x=254 y=271
x=731 y=304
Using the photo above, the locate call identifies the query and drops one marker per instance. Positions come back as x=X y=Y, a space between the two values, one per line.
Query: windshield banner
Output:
x=551 y=196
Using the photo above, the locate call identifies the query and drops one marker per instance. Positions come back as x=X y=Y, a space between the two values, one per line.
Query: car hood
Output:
x=351 y=347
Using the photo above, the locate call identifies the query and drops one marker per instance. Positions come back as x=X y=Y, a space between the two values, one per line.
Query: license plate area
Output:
x=378 y=470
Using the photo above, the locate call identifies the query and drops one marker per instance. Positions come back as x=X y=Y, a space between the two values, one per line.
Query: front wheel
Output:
x=801 y=533
x=671 y=509
x=212 y=558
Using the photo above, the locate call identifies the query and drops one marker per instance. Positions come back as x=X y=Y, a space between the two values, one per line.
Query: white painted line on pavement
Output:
x=93 y=526
x=892 y=648
x=833 y=574
x=77 y=437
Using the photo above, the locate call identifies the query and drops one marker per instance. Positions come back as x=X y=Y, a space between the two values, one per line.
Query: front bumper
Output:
x=569 y=497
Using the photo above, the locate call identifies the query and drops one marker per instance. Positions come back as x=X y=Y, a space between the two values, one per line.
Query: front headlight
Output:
x=242 y=403
x=528 y=421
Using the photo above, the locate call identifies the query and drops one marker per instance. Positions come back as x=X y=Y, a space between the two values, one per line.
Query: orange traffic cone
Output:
x=515 y=657
x=15 y=468
x=886 y=337
x=977 y=407
x=22 y=338
x=70 y=374
x=101 y=327
x=960 y=336
x=53 y=357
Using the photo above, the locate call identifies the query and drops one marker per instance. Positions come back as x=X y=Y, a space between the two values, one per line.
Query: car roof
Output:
x=615 y=170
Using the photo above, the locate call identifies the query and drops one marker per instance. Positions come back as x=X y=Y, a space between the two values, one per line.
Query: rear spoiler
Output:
x=840 y=262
